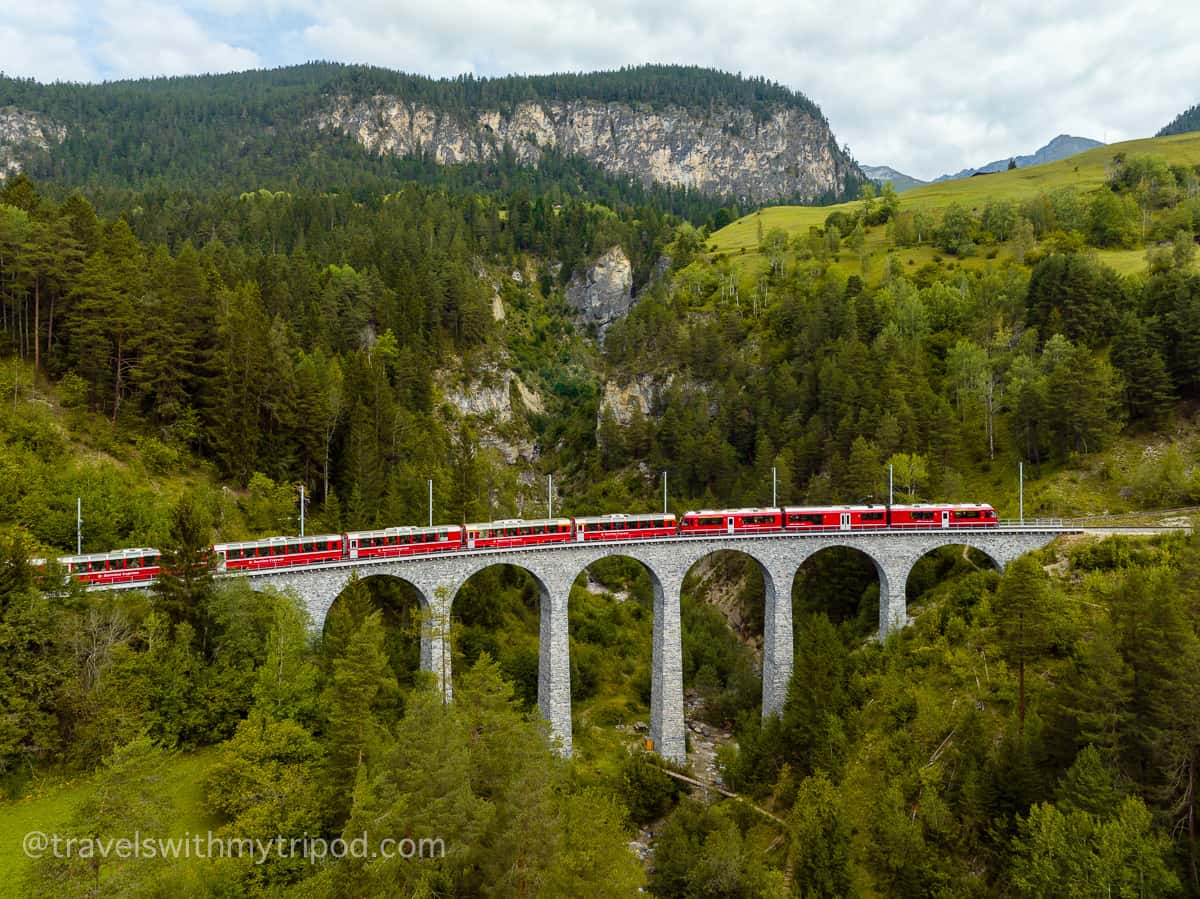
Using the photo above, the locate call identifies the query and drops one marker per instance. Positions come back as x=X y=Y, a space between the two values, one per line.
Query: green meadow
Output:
x=738 y=242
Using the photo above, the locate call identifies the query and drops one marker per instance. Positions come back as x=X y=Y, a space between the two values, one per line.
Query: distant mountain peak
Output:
x=1060 y=147
x=882 y=174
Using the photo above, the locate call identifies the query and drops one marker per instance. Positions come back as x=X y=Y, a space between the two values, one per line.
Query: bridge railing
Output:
x=1031 y=523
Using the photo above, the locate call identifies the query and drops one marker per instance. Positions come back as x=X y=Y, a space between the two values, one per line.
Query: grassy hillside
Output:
x=1084 y=172
x=50 y=809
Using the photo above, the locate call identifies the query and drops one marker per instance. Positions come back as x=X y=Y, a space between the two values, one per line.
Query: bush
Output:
x=157 y=456
x=648 y=793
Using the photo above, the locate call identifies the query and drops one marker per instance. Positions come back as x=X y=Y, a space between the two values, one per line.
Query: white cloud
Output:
x=147 y=38
x=927 y=87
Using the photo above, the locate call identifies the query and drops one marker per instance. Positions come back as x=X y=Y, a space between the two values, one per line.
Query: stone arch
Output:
x=777 y=572
x=666 y=727
x=872 y=562
x=406 y=612
x=924 y=554
x=554 y=665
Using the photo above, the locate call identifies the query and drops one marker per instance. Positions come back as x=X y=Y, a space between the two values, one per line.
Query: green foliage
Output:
x=1074 y=854
x=646 y=791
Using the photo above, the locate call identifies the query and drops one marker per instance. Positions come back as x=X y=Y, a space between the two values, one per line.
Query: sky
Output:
x=924 y=87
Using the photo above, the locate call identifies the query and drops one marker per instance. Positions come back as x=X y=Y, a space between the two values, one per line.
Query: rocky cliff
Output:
x=786 y=153
x=22 y=132
x=603 y=292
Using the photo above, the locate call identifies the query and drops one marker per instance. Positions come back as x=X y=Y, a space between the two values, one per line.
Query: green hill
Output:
x=1083 y=173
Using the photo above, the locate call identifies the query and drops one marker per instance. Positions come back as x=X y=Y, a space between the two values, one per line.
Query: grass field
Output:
x=1085 y=171
x=51 y=805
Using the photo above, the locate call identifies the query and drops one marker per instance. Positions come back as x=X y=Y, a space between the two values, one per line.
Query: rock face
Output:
x=21 y=132
x=727 y=151
x=621 y=400
x=603 y=292
x=498 y=402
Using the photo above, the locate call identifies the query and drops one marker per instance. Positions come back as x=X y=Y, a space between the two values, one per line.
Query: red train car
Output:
x=278 y=552
x=835 y=518
x=519 y=532
x=945 y=515
x=124 y=566
x=730 y=521
x=624 y=527
x=403 y=541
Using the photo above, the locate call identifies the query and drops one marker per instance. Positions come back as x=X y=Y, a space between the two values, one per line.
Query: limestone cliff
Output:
x=603 y=292
x=786 y=153
x=22 y=132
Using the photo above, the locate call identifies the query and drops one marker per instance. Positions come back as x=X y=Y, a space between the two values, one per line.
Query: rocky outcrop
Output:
x=603 y=292
x=498 y=401
x=641 y=393
x=22 y=132
x=788 y=152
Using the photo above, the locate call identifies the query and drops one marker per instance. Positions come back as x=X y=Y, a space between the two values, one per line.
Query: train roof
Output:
x=868 y=507
x=623 y=516
x=733 y=511
x=409 y=529
x=518 y=522
x=275 y=541
x=138 y=553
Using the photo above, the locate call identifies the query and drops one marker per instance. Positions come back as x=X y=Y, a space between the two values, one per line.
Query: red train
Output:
x=137 y=566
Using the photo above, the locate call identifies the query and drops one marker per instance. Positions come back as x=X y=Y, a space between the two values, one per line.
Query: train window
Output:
x=922 y=516
x=872 y=516
x=966 y=513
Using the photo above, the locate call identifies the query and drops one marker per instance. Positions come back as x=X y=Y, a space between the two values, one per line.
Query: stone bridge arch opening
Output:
x=843 y=583
x=497 y=611
x=951 y=578
x=611 y=623
x=723 y=610
x=403 y=609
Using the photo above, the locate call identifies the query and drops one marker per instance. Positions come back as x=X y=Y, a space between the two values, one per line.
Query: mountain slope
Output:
x=1061 y=147
x=329 y=125
x=1188 y=120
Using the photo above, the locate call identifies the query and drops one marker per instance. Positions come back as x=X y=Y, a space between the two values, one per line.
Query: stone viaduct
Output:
x=437 y=580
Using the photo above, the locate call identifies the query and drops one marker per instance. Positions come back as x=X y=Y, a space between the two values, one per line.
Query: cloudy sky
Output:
x=925 y=87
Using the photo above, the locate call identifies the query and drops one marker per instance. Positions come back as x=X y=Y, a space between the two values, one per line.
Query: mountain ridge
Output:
x=690 y=128
x=1059 y=147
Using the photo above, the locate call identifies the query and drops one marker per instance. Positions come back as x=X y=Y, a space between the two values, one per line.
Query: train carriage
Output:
x=518 y=532
x=278 y=552
x=624 y=527
x=124 y=566
x=835 y=518
x=730 y=521
x=406 y=541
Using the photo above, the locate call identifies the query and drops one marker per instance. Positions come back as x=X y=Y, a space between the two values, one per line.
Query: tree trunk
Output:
x=50 y=331
x=37 y=329
x=117 y=388
x=1021 y=667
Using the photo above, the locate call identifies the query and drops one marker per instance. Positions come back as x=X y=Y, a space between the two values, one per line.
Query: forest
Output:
x=183 y=360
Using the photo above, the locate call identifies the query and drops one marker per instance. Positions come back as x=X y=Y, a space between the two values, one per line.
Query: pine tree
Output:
x=362 y=683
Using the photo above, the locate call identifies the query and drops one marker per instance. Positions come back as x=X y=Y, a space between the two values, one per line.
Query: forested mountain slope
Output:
x=684 y=129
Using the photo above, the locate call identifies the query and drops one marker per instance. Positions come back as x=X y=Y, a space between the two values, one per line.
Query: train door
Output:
x=579 y=533
x=471 y=539
x=729 y=524
x=945 y=518
x=845 y=521
x=354 y=547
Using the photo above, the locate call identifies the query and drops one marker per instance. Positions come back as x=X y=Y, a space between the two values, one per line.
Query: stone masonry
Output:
x=437 y=580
